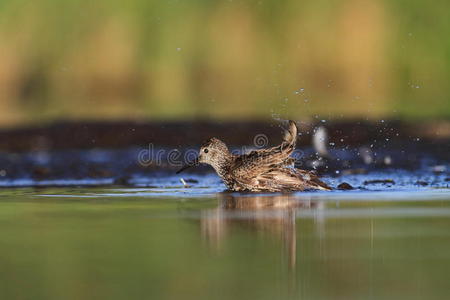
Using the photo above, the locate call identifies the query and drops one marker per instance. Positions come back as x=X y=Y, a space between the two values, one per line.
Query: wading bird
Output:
x=264 y=170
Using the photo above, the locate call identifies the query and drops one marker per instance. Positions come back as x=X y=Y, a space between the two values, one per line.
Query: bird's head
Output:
x=213 y=152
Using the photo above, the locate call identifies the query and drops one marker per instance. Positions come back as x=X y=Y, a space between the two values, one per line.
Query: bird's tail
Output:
x=290 y=135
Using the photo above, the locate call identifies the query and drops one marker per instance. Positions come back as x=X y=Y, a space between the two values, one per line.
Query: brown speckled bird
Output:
x=265 y=170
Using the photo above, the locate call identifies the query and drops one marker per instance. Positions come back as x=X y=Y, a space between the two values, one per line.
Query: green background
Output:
x=142 y=59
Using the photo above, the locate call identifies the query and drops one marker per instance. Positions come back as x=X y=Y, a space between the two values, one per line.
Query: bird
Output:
x=262 y=170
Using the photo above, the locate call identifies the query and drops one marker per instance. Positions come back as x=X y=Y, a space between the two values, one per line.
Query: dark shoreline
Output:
x=124 y=134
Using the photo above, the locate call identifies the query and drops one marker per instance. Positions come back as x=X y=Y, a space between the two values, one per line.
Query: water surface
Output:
x=169 y=242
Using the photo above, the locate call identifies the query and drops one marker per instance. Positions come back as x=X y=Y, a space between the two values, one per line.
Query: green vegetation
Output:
x=223 y=59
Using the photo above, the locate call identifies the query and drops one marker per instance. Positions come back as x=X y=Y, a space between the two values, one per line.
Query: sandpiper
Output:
x=264 y=170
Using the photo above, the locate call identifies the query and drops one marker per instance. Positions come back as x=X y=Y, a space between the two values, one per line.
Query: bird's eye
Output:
x=205 y=150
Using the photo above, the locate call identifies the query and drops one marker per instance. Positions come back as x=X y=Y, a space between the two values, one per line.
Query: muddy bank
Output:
x=113 y=135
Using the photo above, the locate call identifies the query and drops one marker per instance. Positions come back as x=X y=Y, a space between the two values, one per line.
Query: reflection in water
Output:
x=271 y=214
x=135 y=244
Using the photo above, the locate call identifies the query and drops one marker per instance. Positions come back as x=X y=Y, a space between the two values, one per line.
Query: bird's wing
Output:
x=261 y=161
x=290 y=179
x=284 y=179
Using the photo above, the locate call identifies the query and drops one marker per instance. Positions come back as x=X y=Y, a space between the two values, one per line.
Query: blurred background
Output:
x=223 y=60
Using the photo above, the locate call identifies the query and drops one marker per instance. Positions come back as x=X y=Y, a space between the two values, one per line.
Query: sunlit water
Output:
x=166 y=241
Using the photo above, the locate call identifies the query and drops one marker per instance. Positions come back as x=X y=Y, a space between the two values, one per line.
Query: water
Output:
x=169 y=242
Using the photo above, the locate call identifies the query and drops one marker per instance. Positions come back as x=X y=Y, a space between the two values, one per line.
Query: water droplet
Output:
x=387 y=160
x=323 y=121
x=178 y=49
x=299 y=91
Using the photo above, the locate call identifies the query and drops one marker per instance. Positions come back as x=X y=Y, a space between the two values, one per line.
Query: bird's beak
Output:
x=188 y=165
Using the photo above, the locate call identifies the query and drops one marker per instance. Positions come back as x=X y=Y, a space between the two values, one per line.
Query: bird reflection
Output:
x=271 y=214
